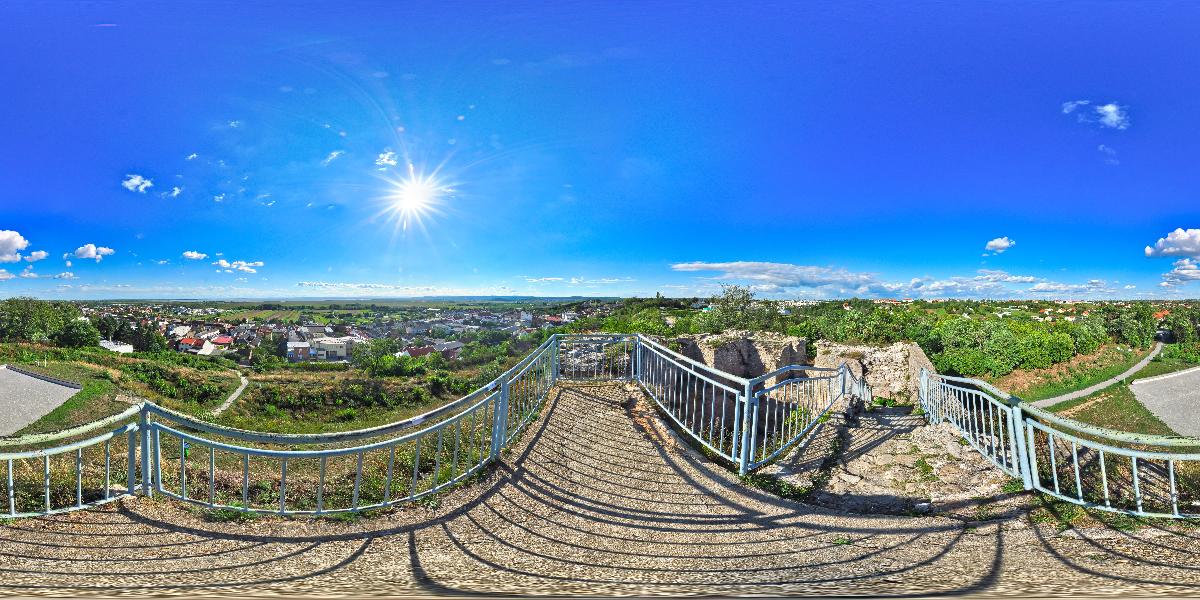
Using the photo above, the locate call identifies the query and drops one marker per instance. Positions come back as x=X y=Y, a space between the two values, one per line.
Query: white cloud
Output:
x=11 y=244
x=333 y=156
x=192 y=156
x=1181 y=242
x=36 y=255
x=193 y=255
x=162 y=262
x=543 y=279
x=5 y=275
x=781 y=274
x=219 y=198
x=386 y=159
x=94 y=252
x=815 y=282
x=1069 y=107
x=1183 y=271
x=1113 y=115
x=1110 y=154
x=68 y=262
x=1092 y=287
x=28 y=273
x=137 y=183
x=1129 y=286
x=174 y=193
x=239 y=265
x=235 y=124
x=999 y=244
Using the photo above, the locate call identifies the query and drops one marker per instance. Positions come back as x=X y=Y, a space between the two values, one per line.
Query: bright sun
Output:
x=416 y=197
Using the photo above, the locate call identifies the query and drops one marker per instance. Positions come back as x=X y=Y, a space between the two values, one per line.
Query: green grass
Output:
x=1115 y=407
x=925 y=470
x=1162 y=364
x=1082 y=378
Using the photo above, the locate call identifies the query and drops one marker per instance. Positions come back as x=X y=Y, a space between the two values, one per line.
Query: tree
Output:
x=78 y=334
x=737 y=308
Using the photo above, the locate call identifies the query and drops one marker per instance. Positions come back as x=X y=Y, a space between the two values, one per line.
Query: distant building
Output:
x=298 y=351
x=117 y=347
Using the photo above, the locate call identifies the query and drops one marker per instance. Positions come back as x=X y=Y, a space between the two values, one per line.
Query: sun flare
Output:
x=416 y=197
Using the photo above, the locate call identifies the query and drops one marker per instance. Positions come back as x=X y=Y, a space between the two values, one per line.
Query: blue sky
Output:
x=812 y=150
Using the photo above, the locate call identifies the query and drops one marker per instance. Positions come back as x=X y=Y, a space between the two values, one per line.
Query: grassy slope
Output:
x=1076 y=374
x=1114 y=407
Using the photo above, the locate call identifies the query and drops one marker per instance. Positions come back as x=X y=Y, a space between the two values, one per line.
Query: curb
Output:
x=1164 y=376
x=47 y=378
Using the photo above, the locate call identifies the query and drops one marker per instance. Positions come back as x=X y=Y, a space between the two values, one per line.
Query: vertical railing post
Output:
x=554 y=357
x=749 y=411
x=144 y=429
x=637 y=360
x=844 y=374
x=923 y=395
x=1018 y=431
x=500 y=420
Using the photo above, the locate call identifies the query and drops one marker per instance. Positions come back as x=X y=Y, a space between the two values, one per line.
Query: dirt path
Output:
x=1088 y=391
x=594 y=502
x=235 y=395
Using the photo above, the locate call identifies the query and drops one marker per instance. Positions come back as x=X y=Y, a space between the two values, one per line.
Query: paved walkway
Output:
x=1175 y=399
x=1088 y=391
x=600 y=500
x=235 y=395
x=25 y=399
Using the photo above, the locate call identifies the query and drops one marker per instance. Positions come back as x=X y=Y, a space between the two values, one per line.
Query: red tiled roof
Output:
x=224 y=339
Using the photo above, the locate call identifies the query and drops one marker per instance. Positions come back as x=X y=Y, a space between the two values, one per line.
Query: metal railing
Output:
x=986 y=417
x=707 y=404
x=154 y=450
x=1096 y=467
x=72 y=469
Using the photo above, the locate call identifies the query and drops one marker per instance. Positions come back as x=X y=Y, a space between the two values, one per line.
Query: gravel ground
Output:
x=25 y=399
x=1174 y=399
x=601 y=499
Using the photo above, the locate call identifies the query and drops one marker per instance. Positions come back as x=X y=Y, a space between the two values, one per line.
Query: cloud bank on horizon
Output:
x=852 y=156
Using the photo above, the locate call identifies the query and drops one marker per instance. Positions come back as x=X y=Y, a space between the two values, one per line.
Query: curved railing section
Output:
x=84 y=466
x=154 y=450
x=1095 y=467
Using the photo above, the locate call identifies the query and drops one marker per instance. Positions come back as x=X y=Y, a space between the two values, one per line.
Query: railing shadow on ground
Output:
x=565 y=509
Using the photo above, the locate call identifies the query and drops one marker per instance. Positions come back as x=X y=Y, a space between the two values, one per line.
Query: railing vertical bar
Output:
x=321 y=485
x=1174 y=491
x=107 y=469
x=412 y=491
x=437 y=456
x=79 y=477
x=46 y=482
x=212 y=474
x=131 y=469
x=283 y=485
x=183 y=468
x=12 y=498
x=391 y=464
x=1104 y=479
x=1137 y=488
x=246 y=481
x=1078 y=479
x=357 y=481
x=1053 y=462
